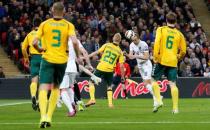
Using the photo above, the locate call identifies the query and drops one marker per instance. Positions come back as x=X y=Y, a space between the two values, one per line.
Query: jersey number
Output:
x=110 y=57
x=169 y=42
x=56 y=37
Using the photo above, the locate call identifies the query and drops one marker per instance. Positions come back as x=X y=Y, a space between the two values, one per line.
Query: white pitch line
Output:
x=12 y=104
x=84 y=123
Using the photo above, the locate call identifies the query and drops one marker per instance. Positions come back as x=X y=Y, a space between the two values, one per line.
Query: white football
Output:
x=129 y=34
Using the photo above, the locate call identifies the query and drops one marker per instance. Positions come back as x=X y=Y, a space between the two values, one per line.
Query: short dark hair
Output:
x=37 y=22
x=171 y=18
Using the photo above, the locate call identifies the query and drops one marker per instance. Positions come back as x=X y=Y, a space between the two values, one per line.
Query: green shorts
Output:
x=51 y=72
x=106 y=76
x=35 y=65
x=169 y=72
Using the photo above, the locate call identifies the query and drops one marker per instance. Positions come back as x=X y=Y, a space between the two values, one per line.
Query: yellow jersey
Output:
x=110 y=56
x=169 y=45
x=27 y=43
x=55 y=34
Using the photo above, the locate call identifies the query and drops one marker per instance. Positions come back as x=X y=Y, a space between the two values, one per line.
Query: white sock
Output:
x=149 y=87
x=66 y=99
x=71 y=93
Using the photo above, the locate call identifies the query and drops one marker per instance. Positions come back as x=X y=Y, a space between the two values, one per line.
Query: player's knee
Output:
x=147 y=81
x=109 y=88
x=91 y=82
x=113 y=85
x=35 y=79
x=44 y=87
x=63 y=89
x=172 y=84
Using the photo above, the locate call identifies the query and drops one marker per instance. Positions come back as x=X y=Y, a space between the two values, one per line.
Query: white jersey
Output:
x=145 y=66
x=71 y=64
x=139 y=50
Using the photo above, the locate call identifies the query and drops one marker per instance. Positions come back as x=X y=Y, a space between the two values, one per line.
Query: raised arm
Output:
x=100 y=50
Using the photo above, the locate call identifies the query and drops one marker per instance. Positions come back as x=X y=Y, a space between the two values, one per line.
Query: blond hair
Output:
x=117 y=38
x=58 y=8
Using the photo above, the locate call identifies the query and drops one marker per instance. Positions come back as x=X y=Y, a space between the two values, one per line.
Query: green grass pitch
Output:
x=131 y=114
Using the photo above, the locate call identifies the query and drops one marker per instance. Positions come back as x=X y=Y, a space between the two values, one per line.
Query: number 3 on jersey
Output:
x=57 y=37
x=109 y=57
x=169 y=42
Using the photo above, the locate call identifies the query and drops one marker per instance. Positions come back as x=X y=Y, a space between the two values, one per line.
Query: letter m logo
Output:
x=201 y=89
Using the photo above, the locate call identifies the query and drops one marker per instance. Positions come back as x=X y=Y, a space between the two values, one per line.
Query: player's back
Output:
x=55 y=33
x=110 y=56
x=28 y=42
x=170 y=41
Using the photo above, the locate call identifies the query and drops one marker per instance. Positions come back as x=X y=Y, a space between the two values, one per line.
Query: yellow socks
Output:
x=52 y=103
x=43 y=104
x=92 y=91
x=175 y=96
x=109 y=97
x=156 y=90
x=33 y=89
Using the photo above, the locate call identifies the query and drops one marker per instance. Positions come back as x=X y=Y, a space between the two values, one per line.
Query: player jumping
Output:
x=139 y=50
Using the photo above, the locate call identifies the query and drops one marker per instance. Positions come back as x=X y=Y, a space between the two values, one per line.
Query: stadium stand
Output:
x=97 y=21
x=207 y=4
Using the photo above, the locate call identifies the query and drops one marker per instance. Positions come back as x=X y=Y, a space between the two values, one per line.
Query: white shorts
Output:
x=145 y=69
x=68 y=80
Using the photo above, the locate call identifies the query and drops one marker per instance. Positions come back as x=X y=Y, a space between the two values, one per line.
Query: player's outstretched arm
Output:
x=85 y=55
x=100 y=50
x=93 y=54
x=82 y=68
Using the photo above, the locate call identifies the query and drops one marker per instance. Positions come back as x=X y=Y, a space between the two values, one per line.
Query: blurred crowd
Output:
x=207 y=4
x=97 y=20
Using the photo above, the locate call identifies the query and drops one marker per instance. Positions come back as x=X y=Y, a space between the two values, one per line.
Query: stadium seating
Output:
x=96 y=22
